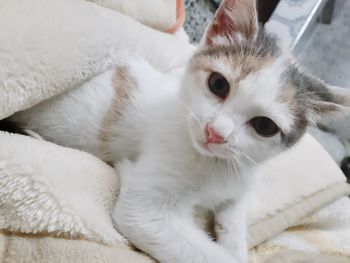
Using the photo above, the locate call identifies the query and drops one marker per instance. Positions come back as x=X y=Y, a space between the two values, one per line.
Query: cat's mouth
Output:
x=210 y=149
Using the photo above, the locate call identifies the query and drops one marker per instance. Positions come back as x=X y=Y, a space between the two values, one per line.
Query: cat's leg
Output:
x=231 y=228
x=151 y=219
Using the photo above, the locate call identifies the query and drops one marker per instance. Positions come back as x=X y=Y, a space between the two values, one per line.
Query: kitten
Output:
x=194 y=143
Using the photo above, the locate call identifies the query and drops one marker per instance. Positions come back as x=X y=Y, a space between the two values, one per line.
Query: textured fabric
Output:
x=291 y=176
x=273 y=225
x=44 y=249
x=46 y=188
x=295 y=256
x=159 y=14
x=322 y=235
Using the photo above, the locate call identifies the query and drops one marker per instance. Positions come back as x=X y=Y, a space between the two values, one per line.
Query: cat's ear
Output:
x=233 y=20
x=332 y=103
x=324 y=102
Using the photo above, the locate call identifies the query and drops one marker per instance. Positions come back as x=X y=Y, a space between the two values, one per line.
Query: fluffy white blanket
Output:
x=57 y=201
x=324 y=236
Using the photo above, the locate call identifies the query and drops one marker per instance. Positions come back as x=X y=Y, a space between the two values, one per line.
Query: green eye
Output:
x=218 y=85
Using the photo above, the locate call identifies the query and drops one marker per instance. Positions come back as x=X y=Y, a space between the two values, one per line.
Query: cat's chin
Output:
x=209 y=150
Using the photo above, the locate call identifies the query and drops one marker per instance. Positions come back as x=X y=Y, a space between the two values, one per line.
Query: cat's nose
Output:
x=213 y=135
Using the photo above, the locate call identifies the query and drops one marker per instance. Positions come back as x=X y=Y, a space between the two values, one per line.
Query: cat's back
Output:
x=85 y=117
x=73 y=118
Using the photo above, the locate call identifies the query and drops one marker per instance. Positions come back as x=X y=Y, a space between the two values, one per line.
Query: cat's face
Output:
x=238 y=104
x=247 y=99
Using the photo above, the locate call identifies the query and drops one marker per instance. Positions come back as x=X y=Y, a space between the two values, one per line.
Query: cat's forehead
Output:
x=240 y=59
x=256 y=67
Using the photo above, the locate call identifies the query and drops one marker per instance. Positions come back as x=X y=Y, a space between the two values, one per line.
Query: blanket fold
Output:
x=168 y=16
x=46 y=188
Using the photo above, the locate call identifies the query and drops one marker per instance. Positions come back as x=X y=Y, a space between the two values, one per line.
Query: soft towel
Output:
x=323 y=236
x=164 y=15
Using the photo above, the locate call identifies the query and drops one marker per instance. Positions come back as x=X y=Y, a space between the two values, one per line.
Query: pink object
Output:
x=213 y=136
x=180 y=17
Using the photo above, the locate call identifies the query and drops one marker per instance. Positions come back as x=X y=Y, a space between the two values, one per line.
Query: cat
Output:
x=192 y=142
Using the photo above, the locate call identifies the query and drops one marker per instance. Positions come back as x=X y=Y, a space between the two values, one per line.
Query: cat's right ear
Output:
x=322 y=101
x=234 y=20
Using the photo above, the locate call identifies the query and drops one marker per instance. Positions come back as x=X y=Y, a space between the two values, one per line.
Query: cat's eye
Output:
x=218 y=85
x=264 y=126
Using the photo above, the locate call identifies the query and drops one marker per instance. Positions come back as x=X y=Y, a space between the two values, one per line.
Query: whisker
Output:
x=248 y=157
x=192 y=112
x=238 y=174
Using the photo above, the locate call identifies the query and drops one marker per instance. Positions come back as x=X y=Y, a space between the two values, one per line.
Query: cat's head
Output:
x=246 y=96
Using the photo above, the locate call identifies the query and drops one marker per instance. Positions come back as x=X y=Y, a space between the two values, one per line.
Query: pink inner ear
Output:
x=233 y=16
x=219 y=27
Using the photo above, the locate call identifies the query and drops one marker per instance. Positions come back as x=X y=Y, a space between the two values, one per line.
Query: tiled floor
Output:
x=290 y=17
x=327 y=52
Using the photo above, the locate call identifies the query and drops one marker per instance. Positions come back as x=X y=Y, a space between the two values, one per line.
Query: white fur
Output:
x=66 y=117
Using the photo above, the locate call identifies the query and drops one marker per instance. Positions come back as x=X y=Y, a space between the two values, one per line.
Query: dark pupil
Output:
x=218 y=85
x=264 y=126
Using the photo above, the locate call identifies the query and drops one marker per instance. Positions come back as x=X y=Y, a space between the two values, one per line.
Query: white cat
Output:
x=196 y=143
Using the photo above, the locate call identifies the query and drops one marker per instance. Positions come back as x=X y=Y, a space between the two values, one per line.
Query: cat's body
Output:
x=89 y=118
x=193 y=141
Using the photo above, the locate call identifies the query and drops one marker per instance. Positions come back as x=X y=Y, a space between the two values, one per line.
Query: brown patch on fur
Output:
x=123 y=84
x=251 y=64
x=205 y=219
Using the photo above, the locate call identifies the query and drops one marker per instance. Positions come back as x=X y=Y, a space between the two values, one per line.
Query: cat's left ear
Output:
x=233 y=20
x=329 y=103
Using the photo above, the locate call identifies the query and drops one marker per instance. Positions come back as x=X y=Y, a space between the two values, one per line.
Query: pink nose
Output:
x=213 y=136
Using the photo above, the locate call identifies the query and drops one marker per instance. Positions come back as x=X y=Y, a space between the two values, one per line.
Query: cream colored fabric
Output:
x=48 y=47
x=46 y=188
x=290 y=177
x=44 y=249
x=324 y=234
x=274 y=224
x=159 y=14
x=295 y=256
x=292 y=185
